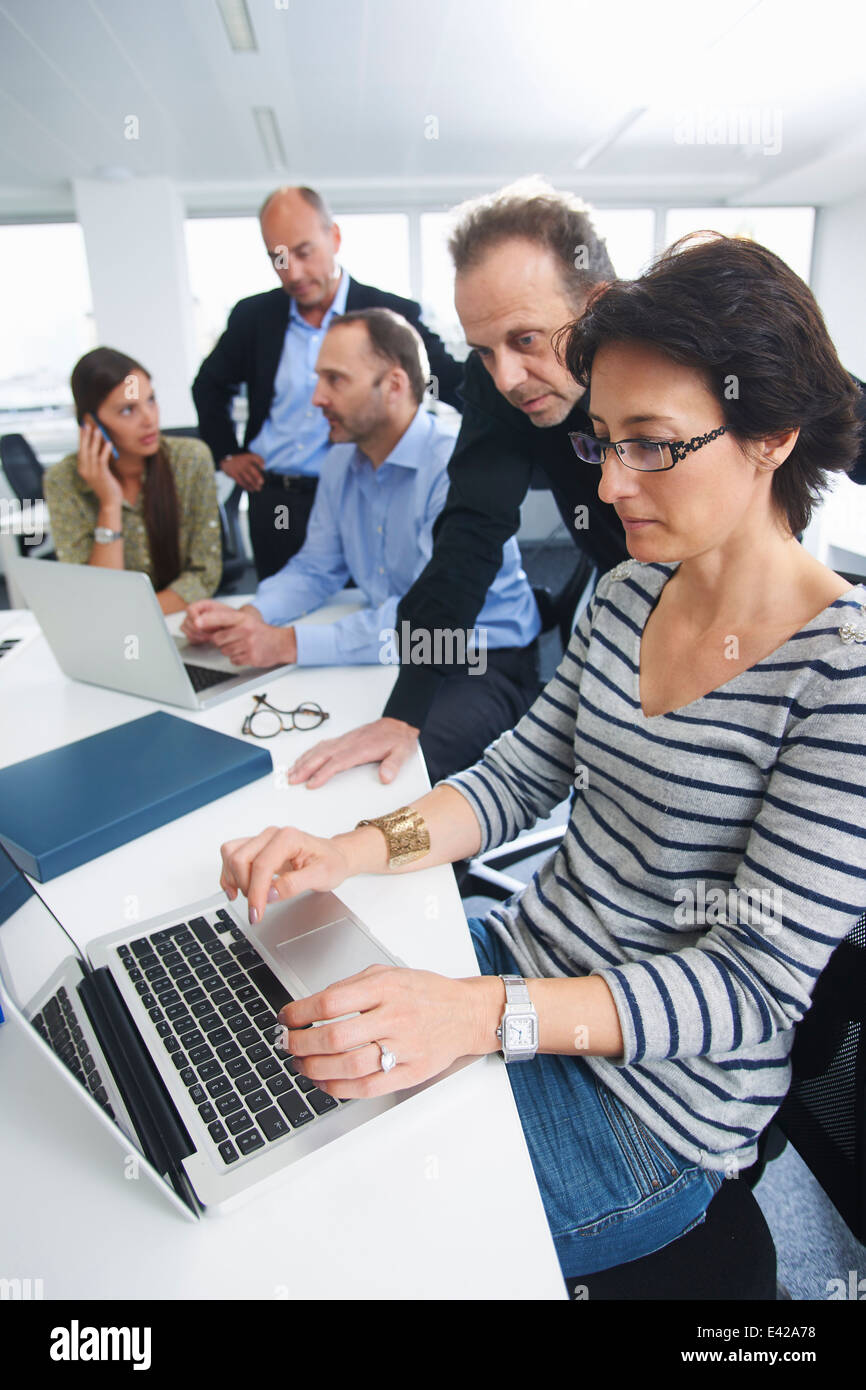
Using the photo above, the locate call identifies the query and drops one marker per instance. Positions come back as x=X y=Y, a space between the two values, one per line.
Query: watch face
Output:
x=520 y=1033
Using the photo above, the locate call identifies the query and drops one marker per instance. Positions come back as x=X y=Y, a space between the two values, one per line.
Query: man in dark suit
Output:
x=526 y=259
x=270 y=345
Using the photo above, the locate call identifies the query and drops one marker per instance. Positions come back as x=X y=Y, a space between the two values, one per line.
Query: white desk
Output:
x=434 y=1199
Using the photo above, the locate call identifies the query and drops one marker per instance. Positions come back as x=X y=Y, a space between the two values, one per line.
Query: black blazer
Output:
x=248 y=353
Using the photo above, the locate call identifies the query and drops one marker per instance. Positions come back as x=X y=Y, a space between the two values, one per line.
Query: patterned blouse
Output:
x=74 y=507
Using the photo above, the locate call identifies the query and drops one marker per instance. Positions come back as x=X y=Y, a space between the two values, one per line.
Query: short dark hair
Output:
x=535 y=211
x=393 y=338
x=309 y=195
x=737 y=313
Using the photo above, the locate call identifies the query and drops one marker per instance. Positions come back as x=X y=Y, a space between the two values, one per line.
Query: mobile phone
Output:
x=104 y=432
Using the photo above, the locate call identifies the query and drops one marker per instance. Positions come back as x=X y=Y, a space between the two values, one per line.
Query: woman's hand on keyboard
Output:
x=279 y=863
x=425 y=1021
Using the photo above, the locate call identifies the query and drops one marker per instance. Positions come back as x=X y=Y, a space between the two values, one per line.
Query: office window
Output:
x=628 y=233
x=437 y=282
x=787 y=231
x=227 y=261
x=376 y=249
x=45 y=293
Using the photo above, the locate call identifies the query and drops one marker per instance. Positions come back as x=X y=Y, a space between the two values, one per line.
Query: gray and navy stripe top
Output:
x=713 y=858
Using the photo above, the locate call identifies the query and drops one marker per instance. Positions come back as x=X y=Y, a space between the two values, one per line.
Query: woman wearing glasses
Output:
x=710 y=717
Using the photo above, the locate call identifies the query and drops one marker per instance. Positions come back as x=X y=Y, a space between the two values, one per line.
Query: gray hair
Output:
x=534 y=210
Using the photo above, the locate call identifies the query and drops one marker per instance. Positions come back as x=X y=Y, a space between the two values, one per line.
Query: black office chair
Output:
x=557 y=610
x=23 y=470
x=25 y=475
x=233 y=557
x=824 y=1113
x=484 y=874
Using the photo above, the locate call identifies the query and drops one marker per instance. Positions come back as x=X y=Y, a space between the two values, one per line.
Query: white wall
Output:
x=136 y=256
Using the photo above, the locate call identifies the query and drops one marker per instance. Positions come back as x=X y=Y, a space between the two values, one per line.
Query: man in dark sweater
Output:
x=270 y=345
x=526 y=261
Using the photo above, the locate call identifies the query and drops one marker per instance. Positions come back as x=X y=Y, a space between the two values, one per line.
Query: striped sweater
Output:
x=713 y=858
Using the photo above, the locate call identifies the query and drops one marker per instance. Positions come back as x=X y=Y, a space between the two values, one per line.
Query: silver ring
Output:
x=388 y=1058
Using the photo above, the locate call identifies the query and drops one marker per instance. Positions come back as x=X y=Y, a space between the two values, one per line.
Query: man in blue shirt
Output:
x=382 y=486
x=270 y=345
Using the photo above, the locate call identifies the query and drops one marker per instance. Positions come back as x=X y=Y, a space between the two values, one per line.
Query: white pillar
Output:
x=133 y=235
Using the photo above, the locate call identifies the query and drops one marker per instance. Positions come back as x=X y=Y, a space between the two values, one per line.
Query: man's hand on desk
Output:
x=388 y=742
x=240 y=633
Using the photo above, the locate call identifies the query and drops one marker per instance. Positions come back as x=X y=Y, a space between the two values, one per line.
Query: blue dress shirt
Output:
x=376 y=524
x=294 y=437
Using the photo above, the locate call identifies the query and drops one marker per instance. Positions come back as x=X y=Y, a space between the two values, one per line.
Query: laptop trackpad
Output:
x=330 y=953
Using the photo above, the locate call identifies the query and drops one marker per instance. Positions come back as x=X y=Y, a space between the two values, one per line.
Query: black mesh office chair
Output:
x=23 y=470
x=233 y=557
x=24 y=474
x=485 y=873
x=824 y=1113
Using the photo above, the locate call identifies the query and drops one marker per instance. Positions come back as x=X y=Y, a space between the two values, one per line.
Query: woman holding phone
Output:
x=707 y=722
x=130 y=498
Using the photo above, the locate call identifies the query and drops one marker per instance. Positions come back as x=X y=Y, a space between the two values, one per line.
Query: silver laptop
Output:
x=106 y=627
x=166 y=1030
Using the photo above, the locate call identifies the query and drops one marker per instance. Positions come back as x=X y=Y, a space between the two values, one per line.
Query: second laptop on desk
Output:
x=106 y=627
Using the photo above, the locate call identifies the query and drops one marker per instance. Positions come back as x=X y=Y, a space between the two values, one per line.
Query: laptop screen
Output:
x=41 y=972
x=33 y=945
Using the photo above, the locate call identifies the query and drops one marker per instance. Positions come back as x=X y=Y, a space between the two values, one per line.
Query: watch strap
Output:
x=516 y=991
x=518 y=1004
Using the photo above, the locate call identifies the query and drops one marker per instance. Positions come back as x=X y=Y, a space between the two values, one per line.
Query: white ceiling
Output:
x=516 y=86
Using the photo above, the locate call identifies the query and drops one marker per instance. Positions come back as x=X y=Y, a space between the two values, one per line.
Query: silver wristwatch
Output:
x=103 y=535
x=518 y=1031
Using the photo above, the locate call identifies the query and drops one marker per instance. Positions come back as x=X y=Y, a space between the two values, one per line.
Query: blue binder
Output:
x=63 y=808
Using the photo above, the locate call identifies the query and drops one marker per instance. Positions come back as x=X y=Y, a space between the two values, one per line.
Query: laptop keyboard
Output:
x=9 y=645
x=204 y=676
x=58 y=1024
x=213 y=1002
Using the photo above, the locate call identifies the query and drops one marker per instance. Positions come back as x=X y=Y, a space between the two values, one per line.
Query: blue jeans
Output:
x=612 y=1190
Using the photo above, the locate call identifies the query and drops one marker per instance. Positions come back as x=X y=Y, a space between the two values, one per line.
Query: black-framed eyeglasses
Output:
x=644 y=455
x=266 y=721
